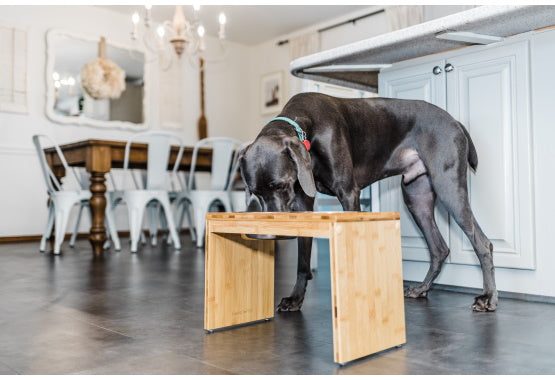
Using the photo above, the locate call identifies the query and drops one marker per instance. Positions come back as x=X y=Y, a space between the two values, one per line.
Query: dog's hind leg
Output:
x=420 y=199
x=295 y=300
x=450 y=184
x=451 y=188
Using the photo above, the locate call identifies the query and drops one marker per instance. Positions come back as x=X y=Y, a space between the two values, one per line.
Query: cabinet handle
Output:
x=449 y=67
x=437 y=70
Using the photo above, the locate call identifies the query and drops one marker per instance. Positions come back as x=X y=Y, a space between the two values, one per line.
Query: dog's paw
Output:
x=416 y=292
x=290 y=304
x=485 y=302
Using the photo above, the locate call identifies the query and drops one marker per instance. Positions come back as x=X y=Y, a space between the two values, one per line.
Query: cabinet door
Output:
x=418 y=83
x=488 y=92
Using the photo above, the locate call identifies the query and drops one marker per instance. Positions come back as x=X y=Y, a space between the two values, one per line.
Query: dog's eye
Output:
x=279 y=186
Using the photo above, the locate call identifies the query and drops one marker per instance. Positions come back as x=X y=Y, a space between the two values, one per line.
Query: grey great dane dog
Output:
x=355 y=142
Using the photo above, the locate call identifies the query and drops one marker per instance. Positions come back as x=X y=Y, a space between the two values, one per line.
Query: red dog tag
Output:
x=306 y=144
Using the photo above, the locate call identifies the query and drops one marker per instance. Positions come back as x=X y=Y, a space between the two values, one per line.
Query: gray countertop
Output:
x=344 y=65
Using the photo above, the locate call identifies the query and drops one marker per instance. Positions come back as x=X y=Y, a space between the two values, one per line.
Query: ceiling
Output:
x=249 y=24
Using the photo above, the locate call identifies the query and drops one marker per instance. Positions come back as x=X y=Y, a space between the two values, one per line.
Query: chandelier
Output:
x=183 y=35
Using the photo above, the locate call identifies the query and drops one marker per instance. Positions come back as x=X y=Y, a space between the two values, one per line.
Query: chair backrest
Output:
x=159 y=144
x=52 y=183
x=223 y=149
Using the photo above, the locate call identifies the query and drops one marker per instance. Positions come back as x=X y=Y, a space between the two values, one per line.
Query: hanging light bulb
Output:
x=135 y=19
x=161 y=31
x=148 y=8
x=222 y=19
x=201 y=31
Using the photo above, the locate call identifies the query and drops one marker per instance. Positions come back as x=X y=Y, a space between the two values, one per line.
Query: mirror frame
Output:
x=51 y=37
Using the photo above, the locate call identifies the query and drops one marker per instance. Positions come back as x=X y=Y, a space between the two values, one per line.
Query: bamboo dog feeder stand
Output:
x=365 y=264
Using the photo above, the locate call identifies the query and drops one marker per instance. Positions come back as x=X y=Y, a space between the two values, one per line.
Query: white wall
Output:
x=268 y=57
x=225 y=75
x=23 y=193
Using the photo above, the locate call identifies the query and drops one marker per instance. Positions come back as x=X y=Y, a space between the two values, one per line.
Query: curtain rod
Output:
x=351 y=21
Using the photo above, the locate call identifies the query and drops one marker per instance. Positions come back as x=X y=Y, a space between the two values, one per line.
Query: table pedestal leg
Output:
x=239 y=280
x=97 y=235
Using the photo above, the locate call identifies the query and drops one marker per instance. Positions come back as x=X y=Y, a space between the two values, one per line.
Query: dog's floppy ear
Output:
x=301 y=158
x=253 y=204
x=239 y=165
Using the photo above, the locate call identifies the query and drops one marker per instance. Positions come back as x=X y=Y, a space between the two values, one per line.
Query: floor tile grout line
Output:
x=100 y=327
x=11 y=368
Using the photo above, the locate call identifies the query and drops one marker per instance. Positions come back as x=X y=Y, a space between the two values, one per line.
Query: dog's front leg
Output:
x=350 y=200
x=295 y=300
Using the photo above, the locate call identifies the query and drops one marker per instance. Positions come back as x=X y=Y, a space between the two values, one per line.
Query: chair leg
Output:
x=227 y=204
x=61 y=219
x=152 y=214
x=112 y=230
x=178 y=223
x=164 y=225
x=200 y=223
x=185 y=210
x=136 y=212
x=76 y=228
x=171 y=225
x=200 y=216
x=182 y=214
x=48 y=229
x=107 y=243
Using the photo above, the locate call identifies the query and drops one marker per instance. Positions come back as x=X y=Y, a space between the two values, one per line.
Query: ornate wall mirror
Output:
x=101 y=95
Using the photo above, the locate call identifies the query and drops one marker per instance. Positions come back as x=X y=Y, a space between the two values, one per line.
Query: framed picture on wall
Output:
x=271 y=92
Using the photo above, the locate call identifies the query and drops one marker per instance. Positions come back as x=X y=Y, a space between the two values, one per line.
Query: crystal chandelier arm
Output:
x=180 y=33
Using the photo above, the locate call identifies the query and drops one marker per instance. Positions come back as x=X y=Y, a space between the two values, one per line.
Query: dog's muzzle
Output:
x=255 y=205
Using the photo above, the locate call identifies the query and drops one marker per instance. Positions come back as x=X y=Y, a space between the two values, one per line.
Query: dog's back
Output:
x=370 y=119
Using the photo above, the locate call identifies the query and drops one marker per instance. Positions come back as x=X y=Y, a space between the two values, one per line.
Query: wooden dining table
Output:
x=99 y=157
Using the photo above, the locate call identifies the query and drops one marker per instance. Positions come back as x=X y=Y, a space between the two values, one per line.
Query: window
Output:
x=13 y=69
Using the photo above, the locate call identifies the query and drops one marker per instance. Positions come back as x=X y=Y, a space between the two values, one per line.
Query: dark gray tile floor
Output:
x=143 y=314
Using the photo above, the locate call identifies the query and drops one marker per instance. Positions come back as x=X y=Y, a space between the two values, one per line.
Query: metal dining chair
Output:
x=61 y=201
x=153 y=189
x=201 y=200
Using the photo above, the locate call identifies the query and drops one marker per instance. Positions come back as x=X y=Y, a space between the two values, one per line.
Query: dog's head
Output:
x=274 y=169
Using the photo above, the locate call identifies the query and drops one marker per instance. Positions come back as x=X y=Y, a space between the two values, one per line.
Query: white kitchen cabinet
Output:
x=417 y=83
x=487 y=89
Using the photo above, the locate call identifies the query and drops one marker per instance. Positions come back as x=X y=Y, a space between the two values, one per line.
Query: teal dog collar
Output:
x=300 y=132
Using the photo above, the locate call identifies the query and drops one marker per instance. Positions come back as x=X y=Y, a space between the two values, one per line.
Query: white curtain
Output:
x=403 y=16
x=304 y=45
x=299 y=47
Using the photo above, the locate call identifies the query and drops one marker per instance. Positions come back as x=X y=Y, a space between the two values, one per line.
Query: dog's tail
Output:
x=472 y=155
